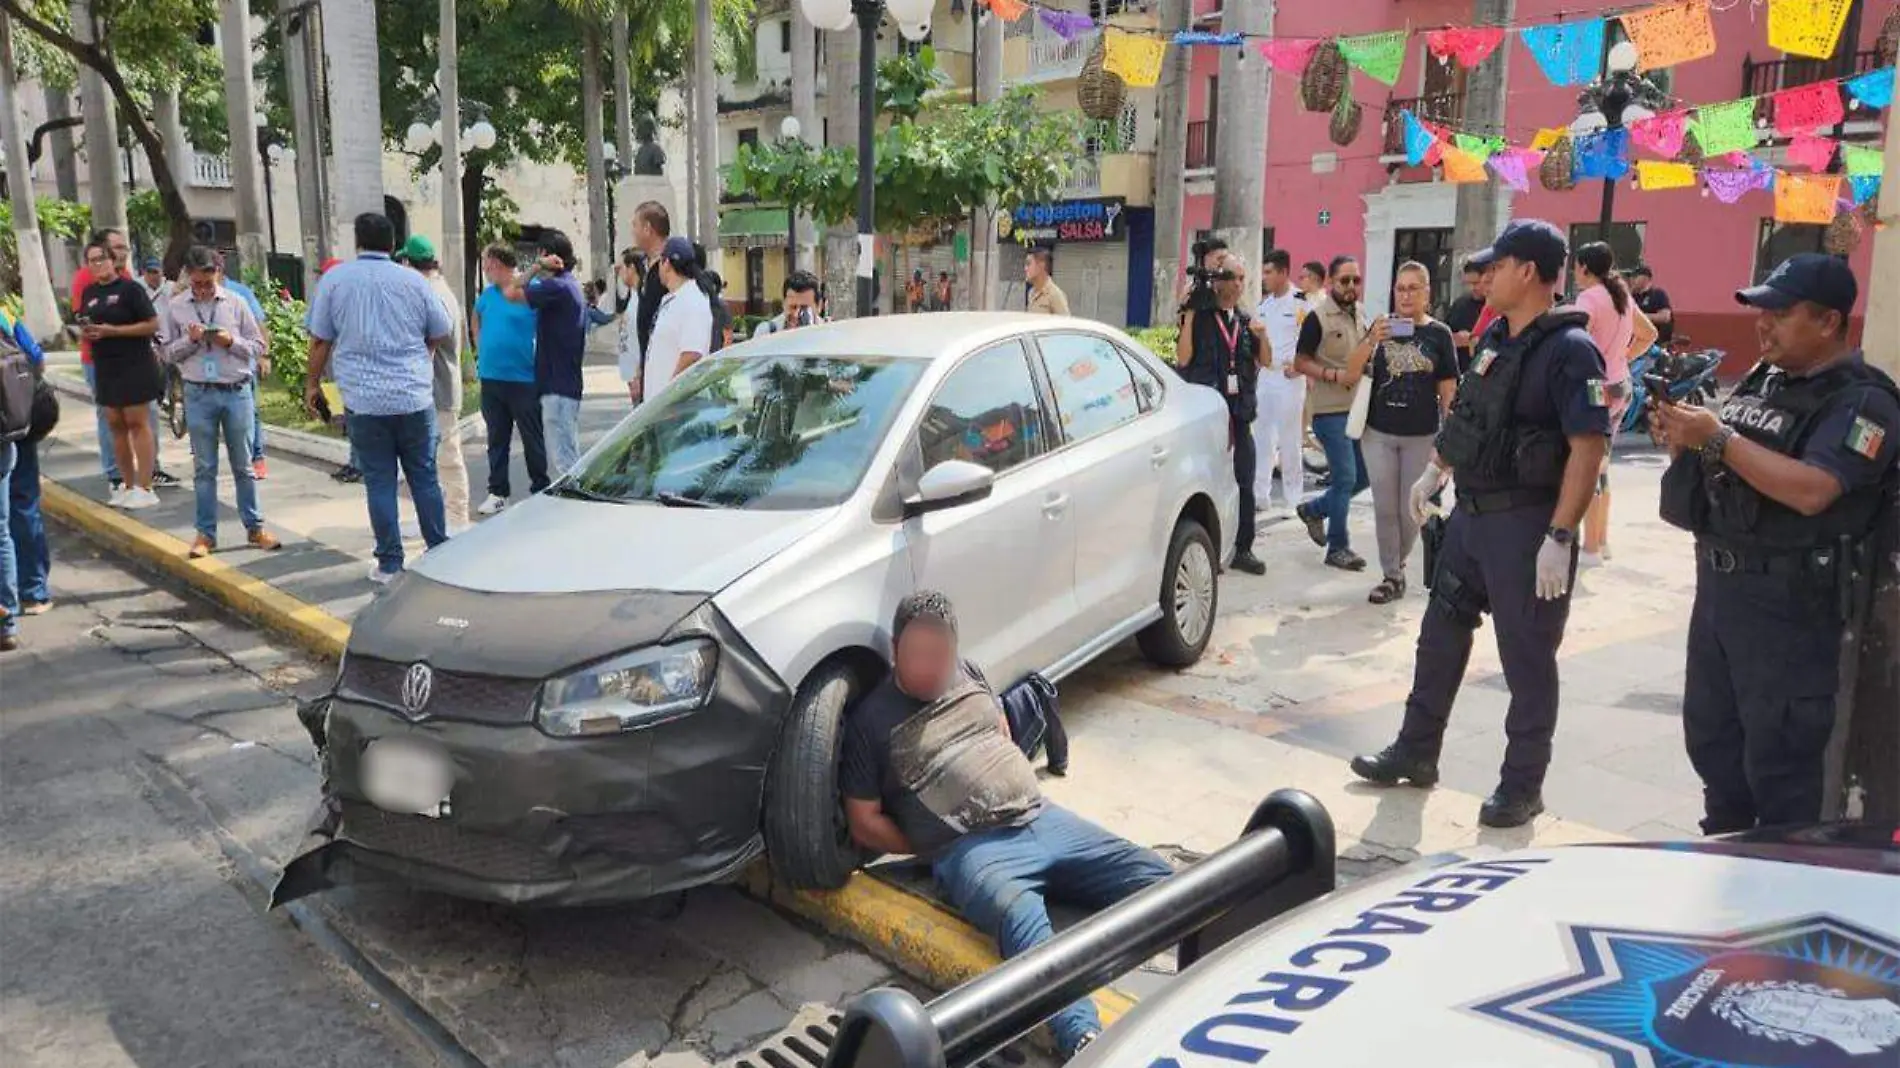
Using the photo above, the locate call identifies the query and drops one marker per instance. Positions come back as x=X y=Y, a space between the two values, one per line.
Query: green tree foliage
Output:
x=63 y=219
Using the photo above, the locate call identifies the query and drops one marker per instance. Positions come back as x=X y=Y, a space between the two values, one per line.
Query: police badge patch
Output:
x=1866 y=437
x=1811 y=993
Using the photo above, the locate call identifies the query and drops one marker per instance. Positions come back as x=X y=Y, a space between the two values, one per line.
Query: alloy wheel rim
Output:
x=1194 y=594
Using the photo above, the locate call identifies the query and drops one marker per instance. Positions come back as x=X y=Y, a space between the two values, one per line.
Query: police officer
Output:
x=1780 y=491
x=1526 y=433
x=1222 y=347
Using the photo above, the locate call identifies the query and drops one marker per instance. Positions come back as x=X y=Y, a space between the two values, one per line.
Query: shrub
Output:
x=1160 y=339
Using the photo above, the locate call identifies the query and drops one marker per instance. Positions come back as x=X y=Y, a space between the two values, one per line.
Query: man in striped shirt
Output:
x=377 y=320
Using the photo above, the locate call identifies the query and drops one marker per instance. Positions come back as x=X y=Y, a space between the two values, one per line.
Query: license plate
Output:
x=410 y=777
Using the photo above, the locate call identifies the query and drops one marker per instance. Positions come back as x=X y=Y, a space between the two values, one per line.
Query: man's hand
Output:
x=1291 y=371
x=553 y=263
x=1462 y=338
x=633 y=391
x=93 y=332
x=1381 y=331
x=1684 y=426
x=312 y=394
x=1420 y=501
x=1553 y=569
x=195 y=331
x=220 y=338
x=263 y=366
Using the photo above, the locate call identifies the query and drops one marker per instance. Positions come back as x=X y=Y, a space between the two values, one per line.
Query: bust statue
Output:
x=649 y=158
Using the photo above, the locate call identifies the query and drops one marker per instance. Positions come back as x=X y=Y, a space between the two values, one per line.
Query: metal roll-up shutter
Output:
x=1095 y=279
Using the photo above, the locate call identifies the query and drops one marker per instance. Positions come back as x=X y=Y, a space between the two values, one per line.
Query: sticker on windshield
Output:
x=1812 y=993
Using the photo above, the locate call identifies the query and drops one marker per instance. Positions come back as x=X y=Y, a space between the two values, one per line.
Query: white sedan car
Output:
x=634 y=683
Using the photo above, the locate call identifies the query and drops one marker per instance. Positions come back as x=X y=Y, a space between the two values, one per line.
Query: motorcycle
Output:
x=1691 y=378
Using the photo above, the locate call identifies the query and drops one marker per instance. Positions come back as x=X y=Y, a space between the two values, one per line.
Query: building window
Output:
x=749 y=135
x=1266 y=241
x=1431 y=247
x=1626 y=240
x=1775 y=242
x=785 y=36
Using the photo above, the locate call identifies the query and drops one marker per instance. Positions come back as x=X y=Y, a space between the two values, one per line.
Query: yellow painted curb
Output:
x=253 y=598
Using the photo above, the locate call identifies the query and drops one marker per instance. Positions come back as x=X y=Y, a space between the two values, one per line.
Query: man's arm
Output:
x=1184 y=343
x=1262 y=350
x=249 y=340
x=1574 y=390
x=1580 y=479
x=1306 y=352
x=1058 y=301
x=872 y=829
x=313 y=376
x=1832 y=464
x=1664 y=314
x=174 y=344
x=1645 y=334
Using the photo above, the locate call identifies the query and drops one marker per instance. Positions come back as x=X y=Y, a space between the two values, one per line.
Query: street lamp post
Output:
x=1615 y=100
x=788 y=132
x=480 y=136
x=616 y=170
x=271 y=150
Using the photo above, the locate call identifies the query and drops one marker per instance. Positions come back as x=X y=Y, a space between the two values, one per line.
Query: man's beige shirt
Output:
x=1049 y=300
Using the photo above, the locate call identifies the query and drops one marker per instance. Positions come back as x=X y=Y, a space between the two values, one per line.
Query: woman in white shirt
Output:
x=627 y=351
x=682 y=331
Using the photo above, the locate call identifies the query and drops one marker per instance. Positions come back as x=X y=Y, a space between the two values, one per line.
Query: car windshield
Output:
x=781 y=433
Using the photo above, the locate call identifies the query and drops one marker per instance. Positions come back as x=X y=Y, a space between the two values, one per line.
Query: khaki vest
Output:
x=1340 y=333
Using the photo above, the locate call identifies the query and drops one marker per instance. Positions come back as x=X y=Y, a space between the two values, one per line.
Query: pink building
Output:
x=1323 y=199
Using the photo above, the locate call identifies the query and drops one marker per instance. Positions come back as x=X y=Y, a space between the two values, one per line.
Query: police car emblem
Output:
x=1811 y=993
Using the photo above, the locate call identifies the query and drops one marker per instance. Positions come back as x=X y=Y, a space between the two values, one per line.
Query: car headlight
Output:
x=636 y=690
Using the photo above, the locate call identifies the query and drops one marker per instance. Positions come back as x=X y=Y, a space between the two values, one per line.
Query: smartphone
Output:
x=1400 y=327
x=1657 y=388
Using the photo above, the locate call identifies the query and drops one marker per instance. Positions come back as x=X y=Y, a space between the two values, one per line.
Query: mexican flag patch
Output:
x=1599 y=395
x=1866 y=437
x=1484 y=361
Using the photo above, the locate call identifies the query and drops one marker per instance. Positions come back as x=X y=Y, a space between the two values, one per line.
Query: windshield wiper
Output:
x=576 y=491
x=680 y=500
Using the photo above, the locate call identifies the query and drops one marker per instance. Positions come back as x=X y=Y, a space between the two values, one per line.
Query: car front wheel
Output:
x=806 y=840
x=1190 y=595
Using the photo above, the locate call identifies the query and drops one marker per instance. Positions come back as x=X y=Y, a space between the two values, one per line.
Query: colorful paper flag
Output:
x=1067 y=25
x=1380 y=55
x=1669 y=34
x=1806 y=107
x=1188 y=38
x=1513 y=166
x=1603 y=154
x=1418 y=140
x=1567 y=52
x=1007 y=10
x=1289 y=55
x=1481 y=147
x=1135 y=57
x=1548 y=136
x=1462 y=167
x=1469 y=46
x=1806 y=27
x=1859 y=162
x=1873 y=89
x=1656 y=174
x=1661 y=134
x=1728 y=186
x=1812 y=152
x=1806 y=198
x=1727 y=127
x=1864 y=186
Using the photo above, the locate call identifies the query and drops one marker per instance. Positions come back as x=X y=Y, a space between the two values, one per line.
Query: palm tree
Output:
x=36 y=285
x=1240 y=176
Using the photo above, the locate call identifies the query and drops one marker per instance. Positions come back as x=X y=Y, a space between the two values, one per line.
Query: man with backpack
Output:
x=23 y=553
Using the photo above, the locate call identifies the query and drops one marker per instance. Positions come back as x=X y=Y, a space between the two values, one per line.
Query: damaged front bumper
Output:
x=535 y=819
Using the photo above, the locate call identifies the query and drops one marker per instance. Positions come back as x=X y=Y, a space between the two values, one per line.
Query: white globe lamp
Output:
x=910 y=12
x=417 y=137
x=482 y=135
x=790 y=128
x=914 y=31
x=1623 y=57
x=833 y=15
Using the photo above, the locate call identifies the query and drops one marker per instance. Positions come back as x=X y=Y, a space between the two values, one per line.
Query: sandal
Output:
x=1387 y=591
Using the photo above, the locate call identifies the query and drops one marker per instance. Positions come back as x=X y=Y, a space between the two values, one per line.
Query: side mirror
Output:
x=950 y=484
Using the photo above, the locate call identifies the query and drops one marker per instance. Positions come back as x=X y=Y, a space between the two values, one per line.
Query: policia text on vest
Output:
x=1785 y=490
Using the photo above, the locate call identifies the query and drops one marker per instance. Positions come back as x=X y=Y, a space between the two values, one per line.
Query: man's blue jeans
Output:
x=382 y=442
x=9 y=579
x=561 y=430
x=257 y=420
x=107 y=461
x=33 y=560
x=211 y=414
x=1347 y=468
x=998 y=880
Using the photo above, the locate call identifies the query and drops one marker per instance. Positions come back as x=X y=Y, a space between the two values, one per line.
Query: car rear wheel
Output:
x=806 y=840
x=1190 y=595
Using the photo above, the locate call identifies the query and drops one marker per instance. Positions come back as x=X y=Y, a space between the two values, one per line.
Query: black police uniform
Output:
x=1506 y=441
x=1227 y=358
x=1771 y=586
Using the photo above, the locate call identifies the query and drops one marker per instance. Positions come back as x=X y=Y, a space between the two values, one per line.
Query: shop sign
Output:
x=1094 y=220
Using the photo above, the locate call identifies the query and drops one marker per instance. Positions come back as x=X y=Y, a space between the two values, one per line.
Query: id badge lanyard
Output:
x=204 y=341
x=1230 y=338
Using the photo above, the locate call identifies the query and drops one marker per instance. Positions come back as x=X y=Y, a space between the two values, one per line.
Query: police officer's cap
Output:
x=1528 y=241
x=1811 y=276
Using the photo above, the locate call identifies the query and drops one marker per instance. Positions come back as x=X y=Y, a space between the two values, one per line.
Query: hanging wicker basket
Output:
x=1343 y=127
x=1556 y=172
x=1843 y=234
x=1325 y=79
x=1888 y=44
x=1098 y=90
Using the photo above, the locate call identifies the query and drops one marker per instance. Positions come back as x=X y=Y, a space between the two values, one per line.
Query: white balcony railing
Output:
x=1086 y=179
x=210 y=172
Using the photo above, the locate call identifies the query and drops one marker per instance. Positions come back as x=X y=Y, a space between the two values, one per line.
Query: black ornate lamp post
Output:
x=1621 y=96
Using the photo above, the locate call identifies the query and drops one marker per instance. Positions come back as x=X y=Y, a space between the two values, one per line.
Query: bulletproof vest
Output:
x=1777 y=411
x=1482 y=437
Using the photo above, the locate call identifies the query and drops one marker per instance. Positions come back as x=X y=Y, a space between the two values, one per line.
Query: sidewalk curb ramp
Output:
x=917 y=937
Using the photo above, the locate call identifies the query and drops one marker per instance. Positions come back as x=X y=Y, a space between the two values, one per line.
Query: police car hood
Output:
x=1639 y=956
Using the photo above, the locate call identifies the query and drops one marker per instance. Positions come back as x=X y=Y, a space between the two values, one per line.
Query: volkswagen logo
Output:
x=416 y=687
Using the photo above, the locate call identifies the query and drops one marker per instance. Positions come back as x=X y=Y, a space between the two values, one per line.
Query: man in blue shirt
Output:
x=560 y=342
x=249 y=297
x=24 y=559
x=377 y=321
x=504 y=358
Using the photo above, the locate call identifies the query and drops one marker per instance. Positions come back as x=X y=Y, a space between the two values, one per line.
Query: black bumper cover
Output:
x=540 y=820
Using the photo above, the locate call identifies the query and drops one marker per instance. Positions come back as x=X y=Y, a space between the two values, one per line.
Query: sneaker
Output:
x=1082 y=1044
x=263 y=539
x=381 y=577
x=163 y=479
x=1246 y=561
x=35 y=608
x=259 y=470
x=347 y=474
x=1510 y=809
x=119 y=493
x=1345 y=560
x=1392 y=765
x=201 y=547
x=1587 y=559
x=136 y=499
x=1387 y=591
x=1315 y=524
x=116 y=485
x=491 y=505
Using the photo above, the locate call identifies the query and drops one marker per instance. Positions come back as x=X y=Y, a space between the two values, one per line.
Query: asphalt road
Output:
x=152 y=779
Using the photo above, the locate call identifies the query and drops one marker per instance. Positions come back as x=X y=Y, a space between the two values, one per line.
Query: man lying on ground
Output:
x=929 y=769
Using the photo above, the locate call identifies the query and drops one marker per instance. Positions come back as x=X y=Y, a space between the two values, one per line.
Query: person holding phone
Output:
x=801 y=306
x=117 y=321
x=1413 y=361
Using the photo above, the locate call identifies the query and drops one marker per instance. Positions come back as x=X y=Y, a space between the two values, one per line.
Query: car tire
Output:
x=1190 y=598
x=806 y=840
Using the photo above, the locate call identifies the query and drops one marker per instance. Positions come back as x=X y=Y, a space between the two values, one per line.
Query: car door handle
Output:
x=1054 y=505
x=1158 y=455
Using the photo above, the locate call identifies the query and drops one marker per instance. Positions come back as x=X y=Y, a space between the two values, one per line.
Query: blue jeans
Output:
x=561 y=429
x=998 y=880
x=9 y=579
x=33 y=560
x=107 y=461
x=211 y=414
x=1347 y=466
x=381 y=443
x=257 y=420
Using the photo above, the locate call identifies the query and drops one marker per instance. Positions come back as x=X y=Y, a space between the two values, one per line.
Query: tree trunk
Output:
x=59 y=105
x=805 y=110
x=474 y=183
x=1241 y=149
x=706 y=127
x=302 y=74
x=690 y=219
x=239 y=111
x=39 y=306
x=1170 y=165
x=599 y=256
x=454 y=257
x=105 y=179
x=356 y=113
x=1483 y=206
x=841 y=108
x=623 y=119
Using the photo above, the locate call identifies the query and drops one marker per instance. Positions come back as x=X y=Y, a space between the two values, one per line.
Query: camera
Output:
x=1201 y=292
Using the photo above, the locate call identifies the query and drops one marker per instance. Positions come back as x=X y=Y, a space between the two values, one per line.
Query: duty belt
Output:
x=1482 y=502
x=1788 y=562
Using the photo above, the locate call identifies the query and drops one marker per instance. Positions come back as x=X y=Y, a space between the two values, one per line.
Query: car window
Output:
x=1147 y=385
x=987 y=411
x=1094 y=390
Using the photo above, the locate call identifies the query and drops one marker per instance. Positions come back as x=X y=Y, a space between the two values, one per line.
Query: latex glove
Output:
x=1430 y=482
x=1553 y=569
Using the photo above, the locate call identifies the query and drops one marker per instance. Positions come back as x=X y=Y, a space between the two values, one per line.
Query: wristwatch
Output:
x=1561 y=535
x=1711 y=450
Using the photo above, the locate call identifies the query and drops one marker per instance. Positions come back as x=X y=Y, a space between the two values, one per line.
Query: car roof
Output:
x=913 y=337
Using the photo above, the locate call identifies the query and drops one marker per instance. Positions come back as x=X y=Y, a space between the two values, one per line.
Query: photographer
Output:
x=1222 y=347
x=1196 y=293
x=801 y=306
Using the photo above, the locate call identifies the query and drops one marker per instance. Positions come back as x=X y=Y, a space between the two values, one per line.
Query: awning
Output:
x=754 y=227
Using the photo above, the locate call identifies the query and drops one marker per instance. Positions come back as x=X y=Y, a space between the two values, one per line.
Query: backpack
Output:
x=18 y=384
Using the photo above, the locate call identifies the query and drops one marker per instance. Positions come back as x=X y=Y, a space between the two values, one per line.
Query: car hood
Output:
x=555 y=545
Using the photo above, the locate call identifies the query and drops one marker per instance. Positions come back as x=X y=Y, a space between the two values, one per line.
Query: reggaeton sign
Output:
x=1094 y=220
